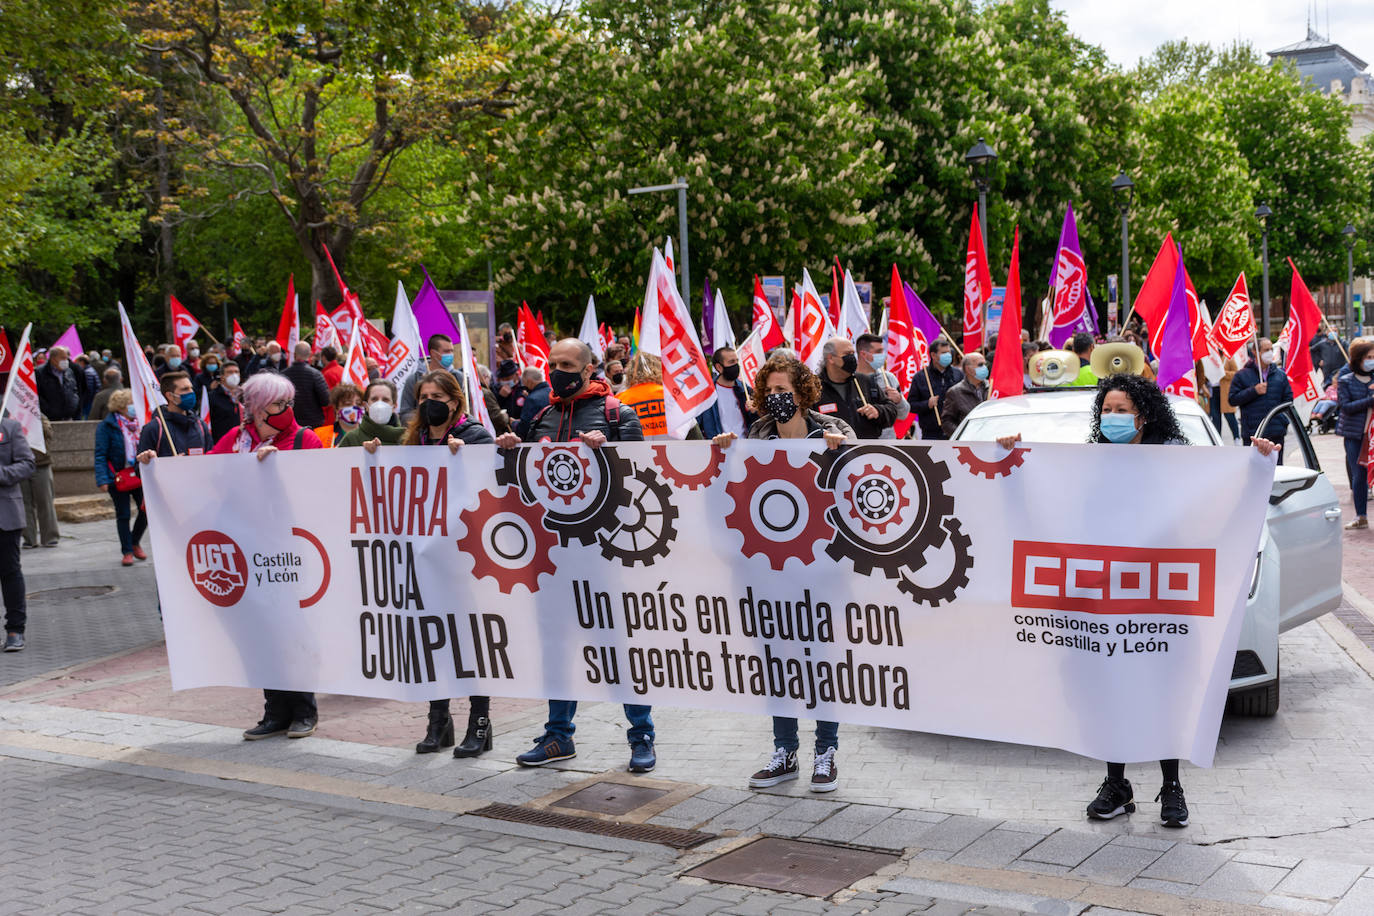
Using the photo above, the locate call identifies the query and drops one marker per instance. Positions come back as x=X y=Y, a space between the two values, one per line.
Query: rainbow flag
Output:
x=634 y=335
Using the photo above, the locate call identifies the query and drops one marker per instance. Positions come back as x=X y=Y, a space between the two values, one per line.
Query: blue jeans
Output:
x=1359 y=476
x=785 y=735
x=561 y=713
x=128 y=538
x=1214 y=410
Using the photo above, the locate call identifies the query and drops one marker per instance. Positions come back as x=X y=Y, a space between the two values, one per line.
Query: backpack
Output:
x=612 y=417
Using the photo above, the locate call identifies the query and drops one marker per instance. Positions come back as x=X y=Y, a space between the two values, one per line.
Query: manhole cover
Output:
x=793 y=866
x=67 y=593
x=643 y=833
x=610 y=798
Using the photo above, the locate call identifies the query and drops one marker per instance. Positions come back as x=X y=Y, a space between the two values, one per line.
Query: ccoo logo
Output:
x=217 y=568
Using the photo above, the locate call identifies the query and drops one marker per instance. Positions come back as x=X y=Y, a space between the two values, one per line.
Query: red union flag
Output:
x=687 y=386
x=751 y=356
x=1102 y=579
x=813 y=325
x=977 y=286
x=326 y=335
x=764 y=319
x=533 y=348
x=237 y=341
x=21 y=395
x=355 y=366
x=6 y=354
x=184 y=324
x=1236 y=323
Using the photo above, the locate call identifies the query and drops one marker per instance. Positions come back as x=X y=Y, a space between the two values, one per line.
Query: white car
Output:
x=1297 y=573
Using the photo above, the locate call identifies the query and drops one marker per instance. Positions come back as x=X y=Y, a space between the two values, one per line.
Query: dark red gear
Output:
x=690 y=481
x=898 y=487
x=490 y=505
x=990 y=469
x=757 y=476
x=542 y=479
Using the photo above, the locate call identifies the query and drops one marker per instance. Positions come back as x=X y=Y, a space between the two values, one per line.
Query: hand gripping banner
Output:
x=957 y=589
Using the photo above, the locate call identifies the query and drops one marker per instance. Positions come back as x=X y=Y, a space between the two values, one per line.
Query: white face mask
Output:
x=380 y=412
x=1268 y=357
x=62 y=365
x=232 y=380
x=193 y=353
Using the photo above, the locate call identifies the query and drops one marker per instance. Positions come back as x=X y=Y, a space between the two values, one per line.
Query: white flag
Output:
x=590 y=334
x=852 y=318
x=147 y=392
x=815 y=327
x=407 y=349
x=472 y=382
x=722 y=335
x=687 y=386
x=751 y=357
x=21 y=395
x=355 y=363
x=668 y=255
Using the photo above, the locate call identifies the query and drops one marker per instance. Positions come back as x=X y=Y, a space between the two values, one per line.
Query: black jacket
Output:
x=188 y=433
x=1254 y=407
x=843 y=401
x=563 y=421
x=224 y=411
x=467 y=429
x=535 y=400
x=59 y=397
x=934 y=382
x=312 y=393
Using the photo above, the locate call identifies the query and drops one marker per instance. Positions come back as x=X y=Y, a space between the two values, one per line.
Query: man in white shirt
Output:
x=732 y=412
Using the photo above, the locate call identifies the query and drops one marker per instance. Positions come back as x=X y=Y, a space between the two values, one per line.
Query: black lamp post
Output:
x=1123 y=189
x=980 y=160
x=1263 y=213
x=1349 y=233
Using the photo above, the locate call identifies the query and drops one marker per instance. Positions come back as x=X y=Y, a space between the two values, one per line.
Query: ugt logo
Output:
x=217 y=568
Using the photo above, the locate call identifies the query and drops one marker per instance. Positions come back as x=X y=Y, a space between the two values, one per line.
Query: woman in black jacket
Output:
x=441 y=418
x=1355 y=397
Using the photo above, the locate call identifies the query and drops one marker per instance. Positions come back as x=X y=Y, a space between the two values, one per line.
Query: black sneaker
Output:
x=825 y=772
x=1173 y=810
x=266 y=729
x=782 y=766
x=14 y=642
x=301 y=728
x=1113 y=797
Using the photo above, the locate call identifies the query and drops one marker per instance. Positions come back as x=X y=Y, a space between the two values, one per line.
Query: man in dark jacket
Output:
x=509 y=388
x=970 y=391
x=536 y=399
x=579 y=412
x=59 y=396
x=1327 y=356
x=176 y=428
x=16 y=466
x=732 y=412
x=114 y=380
x=312 y=391
x=1257 y=389
x=859 y=400
x=928 y=388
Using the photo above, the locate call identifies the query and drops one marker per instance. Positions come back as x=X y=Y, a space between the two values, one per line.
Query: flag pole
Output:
x=14 y=370
x=1338 y=336
x=925 y=370
x=952 y=343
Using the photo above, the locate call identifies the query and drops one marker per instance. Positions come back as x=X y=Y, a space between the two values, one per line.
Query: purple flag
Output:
x=922 y=321
x=1176 y=345
x=431 y=315
x=708 y=318
x=70 y=340
x=1073 y=307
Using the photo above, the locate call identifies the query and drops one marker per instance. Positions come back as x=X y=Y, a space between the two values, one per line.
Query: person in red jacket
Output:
x=330 y=368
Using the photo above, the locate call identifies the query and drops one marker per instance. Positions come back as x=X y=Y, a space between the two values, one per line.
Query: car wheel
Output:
x=1255 y=701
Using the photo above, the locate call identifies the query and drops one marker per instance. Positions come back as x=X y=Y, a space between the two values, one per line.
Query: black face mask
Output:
x=781 y=405
x=434 y=413
x=565 y=384
x=849 y=363
x=730 y=373
x=617 y=378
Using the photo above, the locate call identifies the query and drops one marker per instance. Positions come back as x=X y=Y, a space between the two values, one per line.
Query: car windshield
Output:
x=1063 y=426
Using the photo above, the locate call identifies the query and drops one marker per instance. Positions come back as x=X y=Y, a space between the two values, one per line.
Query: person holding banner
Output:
x=16 y=466
x=378 y=425
x=784 y=393
x=116 y=444
x=1355 y=395
x=441 y=418
x=1132 y=410
x=175 y=428
x=582 y=409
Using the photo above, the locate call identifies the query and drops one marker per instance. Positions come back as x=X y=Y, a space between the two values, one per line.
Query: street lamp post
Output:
x=1123 y=189
x=980 y=159
x=1349 y=233
x=680 y=186
x=1263 y=213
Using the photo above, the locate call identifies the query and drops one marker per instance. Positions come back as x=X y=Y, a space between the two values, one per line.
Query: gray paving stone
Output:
x=1358 y=900
x=954 y=833
x=995 y=849
x=1116 y=865
x=892 y=833
x=1241 y=882
x=1187 y=864
x=1320 y=880
x=1066 y=847
x=1296 y=904
x=850 y=822
x=986 y=897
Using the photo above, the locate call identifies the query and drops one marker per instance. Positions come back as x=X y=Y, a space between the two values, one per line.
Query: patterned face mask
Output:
x=781 y=405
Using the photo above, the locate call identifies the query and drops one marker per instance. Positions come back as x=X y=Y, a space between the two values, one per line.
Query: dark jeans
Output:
x=12 y=581
x=1359 y=476
x=785 y=735
x=288 y=705
x=1215 y=410
x=561 y=713
x=123 y=502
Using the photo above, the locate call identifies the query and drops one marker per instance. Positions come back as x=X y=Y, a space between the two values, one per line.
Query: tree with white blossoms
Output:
x=779 y=154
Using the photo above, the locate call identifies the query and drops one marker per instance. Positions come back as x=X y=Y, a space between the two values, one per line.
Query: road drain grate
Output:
x=793 y=866
x=643 y=833
x=1358 y=623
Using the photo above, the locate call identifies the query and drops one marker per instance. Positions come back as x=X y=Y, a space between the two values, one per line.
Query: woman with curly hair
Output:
x=1130 y=409
x=784 y=393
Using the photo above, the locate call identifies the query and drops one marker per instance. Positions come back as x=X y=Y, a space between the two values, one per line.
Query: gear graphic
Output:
x=795 y=499
x=876 y=498
x=957 y=579
x=917 y=531
x=585 y=515
x=564 y=474
x=650 y=520
x=679 y=478
x=496 y=524
x=990 y=469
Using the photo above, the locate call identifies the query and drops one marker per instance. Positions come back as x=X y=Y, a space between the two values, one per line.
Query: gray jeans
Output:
x=39 y=508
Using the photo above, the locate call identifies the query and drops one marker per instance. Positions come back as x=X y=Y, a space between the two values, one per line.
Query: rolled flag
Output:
x=184 y=324
x=1235 y=324
x=1304 y=320
x=751 y=357
x=687 y=386
x=765 y=321
x=472 y=382
x=792 y=322
x=237 y=341
x=1176 y=373
x=708 y=321
x=1008 y=371
x=1072 y=309
x=289 y=328
x=21 y=396
x=723 y=334
x=142 y=380
x=634 y=333
x=324 y=330
x=836 y=304
x=406 y=351
x=668 y=254
x=813 y=325
x=589 y=334
x=977 y=286
x=853 y=321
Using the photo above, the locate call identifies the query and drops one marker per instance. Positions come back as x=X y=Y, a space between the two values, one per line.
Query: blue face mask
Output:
x=981 y=372
x=1118 y=427
x=174 y=362
x=1367 y=366
x=878 y=360
x=945 y=359
x=446 y=360
x=187 y=401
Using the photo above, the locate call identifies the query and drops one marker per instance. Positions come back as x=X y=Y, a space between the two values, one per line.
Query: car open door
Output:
x=1305 y=525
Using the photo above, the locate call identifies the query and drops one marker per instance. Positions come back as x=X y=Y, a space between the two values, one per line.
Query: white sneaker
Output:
x=782 y=766
x=825 y=772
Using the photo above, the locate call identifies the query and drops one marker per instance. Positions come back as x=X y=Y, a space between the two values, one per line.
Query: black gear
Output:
x=659 y=512
x=957 y=579
x=932 y=504
x=583 y=525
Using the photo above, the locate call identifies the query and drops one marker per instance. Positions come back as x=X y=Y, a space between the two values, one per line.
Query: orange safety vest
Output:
x=326 y=434
x=647 y=400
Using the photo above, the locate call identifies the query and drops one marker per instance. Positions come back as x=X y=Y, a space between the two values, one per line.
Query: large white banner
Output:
x=1080 y=597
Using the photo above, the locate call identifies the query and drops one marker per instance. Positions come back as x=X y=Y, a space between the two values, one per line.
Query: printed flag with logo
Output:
x=1073 y=306
x=977 y=286
x=142 y=380
x=406 y=352
x=813 y=325
x=765 y=321
x=237 y=341
x=687 y=386
x=1235 y=325
x=1304 y=318
x=6 y=354
x=472 y=382
x=751 y=356
x=184 y=324
x=21 y=396
x=325 y=334
x=534 y=349
x=1176 y=372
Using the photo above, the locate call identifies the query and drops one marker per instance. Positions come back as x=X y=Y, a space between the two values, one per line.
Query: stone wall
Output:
x=73 y=457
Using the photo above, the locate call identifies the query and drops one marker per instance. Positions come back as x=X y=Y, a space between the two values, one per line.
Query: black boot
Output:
x=478 y=737
x=438 y=734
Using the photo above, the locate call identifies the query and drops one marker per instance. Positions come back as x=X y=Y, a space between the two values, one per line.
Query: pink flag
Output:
x=21 y=395
x=70 y=340
x=1236 y=323
x=431 y=315
x=1176 y=373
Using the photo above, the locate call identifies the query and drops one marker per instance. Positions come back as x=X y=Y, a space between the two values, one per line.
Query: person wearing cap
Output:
x=510 y=393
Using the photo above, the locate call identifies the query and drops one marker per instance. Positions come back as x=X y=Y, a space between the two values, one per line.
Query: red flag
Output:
x=835 y=295
x=770 y=335
x=813 y=326
x=1304 y=319
x=1152 y=302
x=1008 y=373
x=534 y=349
x=6 y=354
x=1197 y=322
x=355 y=368
x=796 y=316
x=751 y=356
x=543 y=333
x=904 y=358
x=1236 y=323
x=289 y=330
x=325 y=333
x=184 y=324
x=977 y=286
